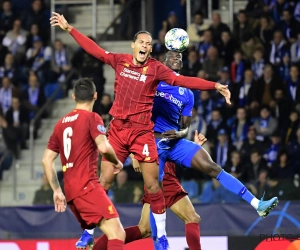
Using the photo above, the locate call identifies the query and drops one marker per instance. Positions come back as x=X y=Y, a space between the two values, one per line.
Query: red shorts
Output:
x=173 y=191
x=128 y=137
x=92 y=207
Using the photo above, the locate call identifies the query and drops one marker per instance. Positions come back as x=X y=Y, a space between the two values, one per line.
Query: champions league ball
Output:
x=177 y=40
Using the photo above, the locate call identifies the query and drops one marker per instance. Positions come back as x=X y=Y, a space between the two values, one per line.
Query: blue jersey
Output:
x=170 y=103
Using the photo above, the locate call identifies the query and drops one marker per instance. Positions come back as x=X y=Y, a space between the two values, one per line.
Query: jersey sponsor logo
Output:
x=130 y=74
x=101 y=128
x=143 y=78
x=169 y=97
x=70 y=118
x=134 y=75
x=181 y=90
x=147 y=158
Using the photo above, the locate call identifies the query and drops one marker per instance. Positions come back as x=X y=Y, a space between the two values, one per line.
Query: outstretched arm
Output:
x=86 y=43
x=201 y=84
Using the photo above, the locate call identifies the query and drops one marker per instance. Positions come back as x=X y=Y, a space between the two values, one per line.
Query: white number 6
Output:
x=68 y=132
x=145 y=150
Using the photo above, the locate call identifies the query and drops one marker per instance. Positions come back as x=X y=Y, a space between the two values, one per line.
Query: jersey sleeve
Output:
x=96 y=126
x=165 y=74
x=53 y=143
x=187 y=110
x=93 y=49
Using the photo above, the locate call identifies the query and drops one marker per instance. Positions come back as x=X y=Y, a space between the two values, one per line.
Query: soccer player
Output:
x=79 y=137
x=171 y=115
x=131 y=130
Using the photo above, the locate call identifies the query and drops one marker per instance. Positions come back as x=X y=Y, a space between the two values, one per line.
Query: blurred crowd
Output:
x=31 y=69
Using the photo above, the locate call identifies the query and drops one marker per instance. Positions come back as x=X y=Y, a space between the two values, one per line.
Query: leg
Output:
x=146 y=154
x=203 y=162
x=184 y=209
x=157 y=201
x=115 y=233
x=142 y=230
x=112 y=228
x=107 y=175
x=115 y=137
x=144 y=223
x=105 y=216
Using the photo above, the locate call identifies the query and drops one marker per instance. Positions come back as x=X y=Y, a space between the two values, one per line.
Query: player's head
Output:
x=173 y=60
x=141 y=46
x=84 y=91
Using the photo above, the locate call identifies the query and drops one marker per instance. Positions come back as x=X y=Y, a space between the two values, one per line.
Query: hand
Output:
x=136 y=165
x=171 y=134
x=118 y=167
x=224 y=91
x=59 y=201
x=59 y=20
x=200 y=139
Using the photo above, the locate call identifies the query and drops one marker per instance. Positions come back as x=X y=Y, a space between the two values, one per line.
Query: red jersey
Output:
x=135 y=86
x=74 y=139
x=170 y=170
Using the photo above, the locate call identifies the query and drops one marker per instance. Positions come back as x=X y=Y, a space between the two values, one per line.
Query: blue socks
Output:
x=153 y=230
x=234 y=185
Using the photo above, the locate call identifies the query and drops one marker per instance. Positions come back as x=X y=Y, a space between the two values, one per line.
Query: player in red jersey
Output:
x=79 y=137
x=176 y=199
x=131 y=130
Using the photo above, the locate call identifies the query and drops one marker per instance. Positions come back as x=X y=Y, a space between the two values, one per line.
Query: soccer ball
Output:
x=177 y=40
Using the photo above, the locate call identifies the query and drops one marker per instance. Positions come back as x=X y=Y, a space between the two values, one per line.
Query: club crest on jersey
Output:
x=181 y=90
x=126 y=64
x=101 y=128
x=145 y=70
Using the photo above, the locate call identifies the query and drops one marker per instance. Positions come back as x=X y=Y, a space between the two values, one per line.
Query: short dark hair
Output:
x=168 y=52
x=141 y=32
x=84 y=90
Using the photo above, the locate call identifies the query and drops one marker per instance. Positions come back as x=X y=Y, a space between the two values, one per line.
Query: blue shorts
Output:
x=181 y=152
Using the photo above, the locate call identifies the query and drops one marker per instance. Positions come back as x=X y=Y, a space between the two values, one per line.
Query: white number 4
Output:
x=68 y=132
x=145 y=150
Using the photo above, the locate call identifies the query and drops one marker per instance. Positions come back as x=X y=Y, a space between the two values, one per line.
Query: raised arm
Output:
x=86 y=43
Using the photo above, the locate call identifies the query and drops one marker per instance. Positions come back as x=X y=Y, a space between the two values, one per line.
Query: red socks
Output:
x=157 y=202
x=192 y=234
x=115 y=245
x=132 y=234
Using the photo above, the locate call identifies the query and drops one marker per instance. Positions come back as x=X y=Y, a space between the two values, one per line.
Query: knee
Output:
x=117 y=233
x=192 y=217
x=105 y=183
x=152 y=186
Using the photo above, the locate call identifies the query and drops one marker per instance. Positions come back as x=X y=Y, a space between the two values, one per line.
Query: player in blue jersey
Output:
x=171 y=115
